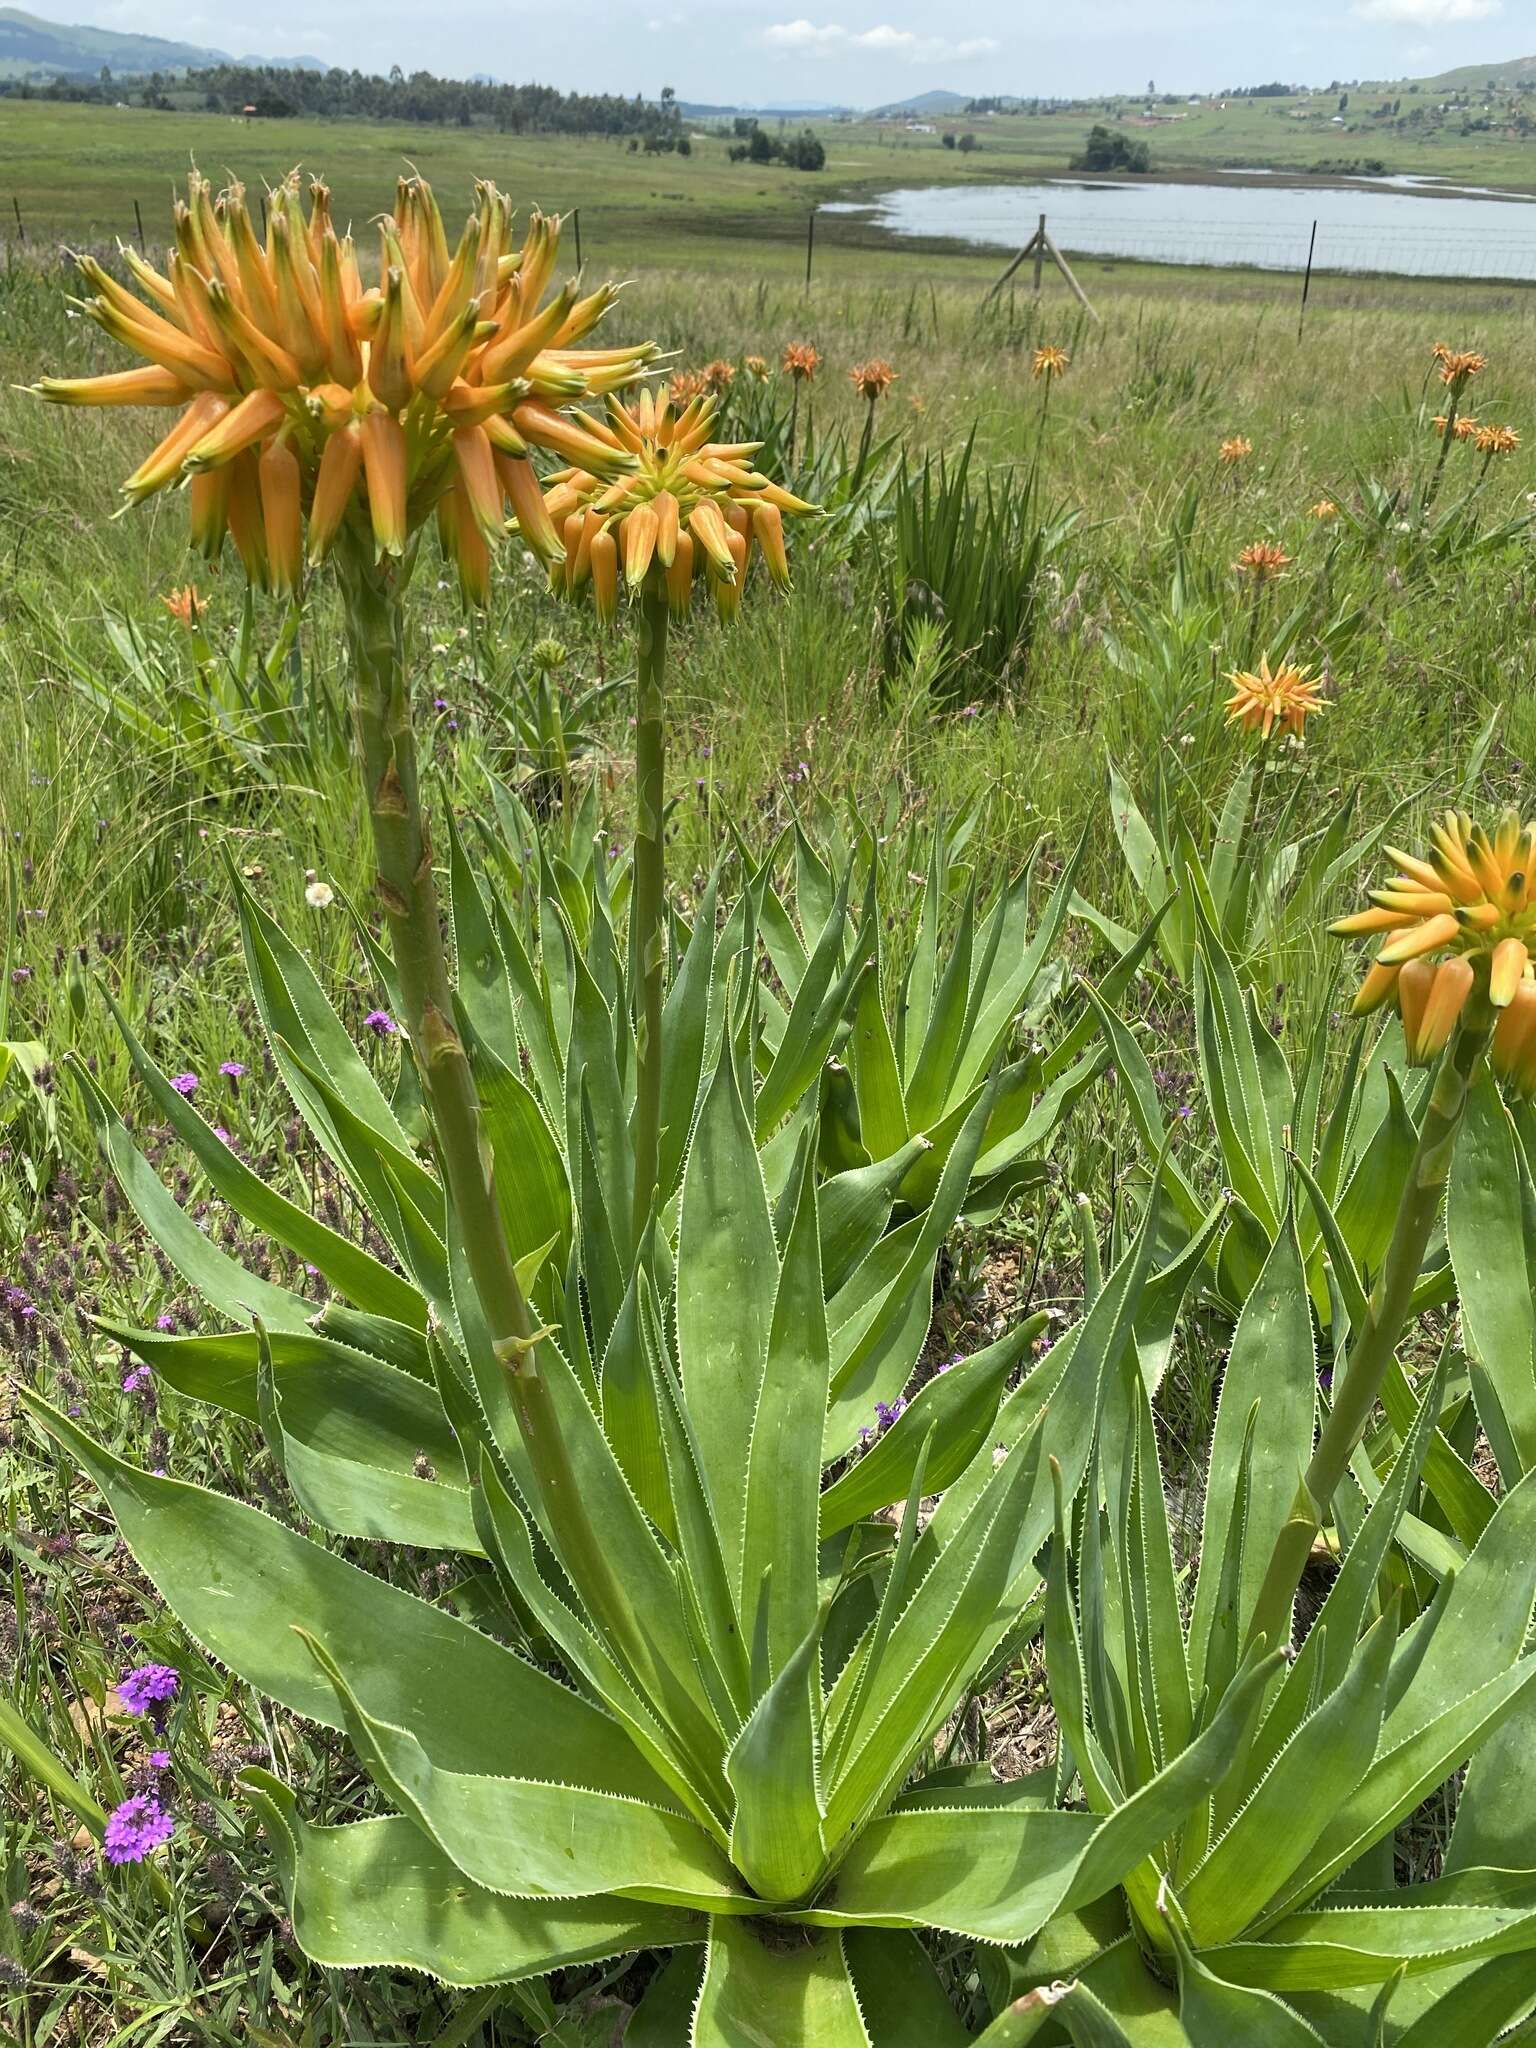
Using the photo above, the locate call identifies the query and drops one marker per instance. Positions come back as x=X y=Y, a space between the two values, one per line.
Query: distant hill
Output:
x=1517 y=71
x=930 y=103
x=33 y=48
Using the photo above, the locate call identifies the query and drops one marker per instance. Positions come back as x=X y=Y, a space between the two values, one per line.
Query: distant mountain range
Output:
x=929 y=103
x=33 y=48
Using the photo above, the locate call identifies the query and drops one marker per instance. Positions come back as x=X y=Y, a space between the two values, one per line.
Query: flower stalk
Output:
x=649 y=911
x=1375 y=1344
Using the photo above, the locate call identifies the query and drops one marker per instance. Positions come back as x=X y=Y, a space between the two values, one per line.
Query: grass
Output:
x=114 y=843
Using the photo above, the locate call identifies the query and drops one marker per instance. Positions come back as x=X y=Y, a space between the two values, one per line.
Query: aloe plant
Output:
x=751 y=1668
x=1274 y=1913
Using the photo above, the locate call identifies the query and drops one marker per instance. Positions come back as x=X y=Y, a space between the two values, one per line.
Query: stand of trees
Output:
x=802 y=152
x=419 y=97
x=1108 y=150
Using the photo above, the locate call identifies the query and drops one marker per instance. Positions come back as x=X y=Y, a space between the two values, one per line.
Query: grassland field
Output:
x=114 y=825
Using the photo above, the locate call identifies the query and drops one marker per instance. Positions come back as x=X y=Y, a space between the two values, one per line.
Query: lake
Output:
x=1403 y=226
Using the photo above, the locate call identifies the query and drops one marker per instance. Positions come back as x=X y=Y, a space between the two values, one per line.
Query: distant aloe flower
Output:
x=1270 y=700
x=1324 y=511
x=755 y=366
x=148 y=1686
x=184 y=1084
x=186 y=605
x=381 y=1024
x=687 y=385
x=1235 y=448
x=719 y=375
x=1263 y=560
x=800 y=360
x=873 y=379
x=1048 y=361
x=134 y=1828
x=1458 y=365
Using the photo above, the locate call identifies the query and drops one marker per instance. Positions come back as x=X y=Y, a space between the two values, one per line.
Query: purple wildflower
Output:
x=159 y=1759
x=21 y=974
x=220 y=1133
x=133 y=1381
x=134 y=1828
x=886 y=1414
x=380 y=1023
x=147 y=1686
x=184 y=1084
x=231 y=1069
x=167 y=1323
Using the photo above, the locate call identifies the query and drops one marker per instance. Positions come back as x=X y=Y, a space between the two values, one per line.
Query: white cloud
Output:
x=1427 y=13
x=830 y=39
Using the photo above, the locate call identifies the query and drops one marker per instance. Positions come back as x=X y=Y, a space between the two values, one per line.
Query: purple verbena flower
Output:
x=159 y=1759
x=134 y=1828
x=184 y=1084
x=147 y=1686
x=220 y=1133
x=380 y=1023
x=21 y=974
x=133 y=1381
x=886 y=1414
x=167 y=1323
x=231 y=1069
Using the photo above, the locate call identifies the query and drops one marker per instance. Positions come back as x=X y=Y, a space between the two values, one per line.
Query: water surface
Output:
x=1405 y=226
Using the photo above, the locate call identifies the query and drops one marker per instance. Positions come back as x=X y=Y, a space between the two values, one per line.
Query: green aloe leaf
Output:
x=238 y=1581
x=761 y=1986
x=1365 y=1938
x=379 y=1894
x=1272 y=1365
x=1488 y=1224
x=532 y=1839
x=903 y=2001
x=774 y=1768
x=354 y=1272
x=959 y=1405
x=1294 y=1801
x=780 y=1535
x=871 y=1057
x=349 y=1455
x=685 y=1031
x=226 y=1285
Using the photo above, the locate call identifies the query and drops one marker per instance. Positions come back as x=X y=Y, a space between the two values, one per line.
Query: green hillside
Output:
x=33 y=48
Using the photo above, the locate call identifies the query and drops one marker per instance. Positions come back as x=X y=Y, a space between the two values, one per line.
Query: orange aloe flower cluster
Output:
x=1273 y=700
x=1494 y=440
x=873 y=379
x=1466 y=911
x=1462 y=428
x=307 y=400
x=1457 y=365
x=1235 y=449
x=1048 y=361
x=800 y=360
x=1263 y=560
x=683 y=504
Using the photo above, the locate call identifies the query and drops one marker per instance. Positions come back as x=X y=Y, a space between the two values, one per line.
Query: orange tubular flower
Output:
x=873 y=379
x=1497 y=440
x=1235 y=449
x=1324 y=511
x=800 y=361
x=685 y=506
x=1049 y=362
x=755 y=366
x=1462 y=917
x=1458 y=366
x=309 y=405
x=719 y=376
x=1274 y=700
x=1263 y=560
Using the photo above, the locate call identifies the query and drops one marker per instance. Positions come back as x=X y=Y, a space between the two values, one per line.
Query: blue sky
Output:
x=860 y=51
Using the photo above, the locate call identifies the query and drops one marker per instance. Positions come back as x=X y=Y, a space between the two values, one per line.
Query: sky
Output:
x=857 y=52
